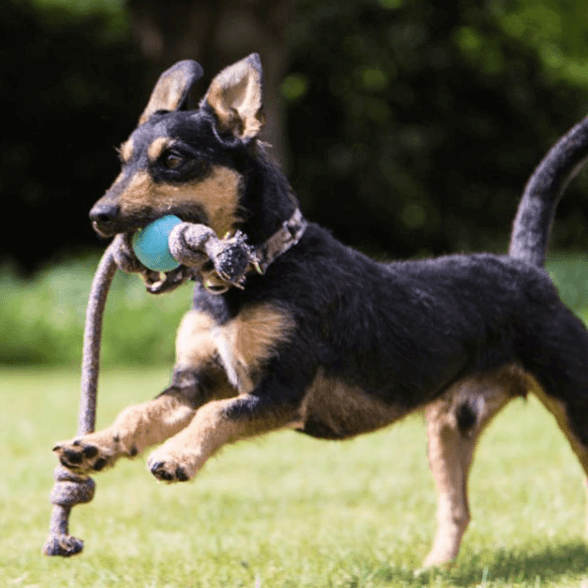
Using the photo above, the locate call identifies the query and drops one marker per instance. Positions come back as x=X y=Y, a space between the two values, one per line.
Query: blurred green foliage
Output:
x=71 y=84
x=556 y=29
x=42 y=318
x=112 y=15
x=413 y=126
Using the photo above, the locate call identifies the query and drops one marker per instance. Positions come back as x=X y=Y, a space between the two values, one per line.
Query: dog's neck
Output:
x=268 y=200
x=283 y=239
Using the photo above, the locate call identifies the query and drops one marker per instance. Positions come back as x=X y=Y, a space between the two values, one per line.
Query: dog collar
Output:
x=282 y=240
x=262 y=256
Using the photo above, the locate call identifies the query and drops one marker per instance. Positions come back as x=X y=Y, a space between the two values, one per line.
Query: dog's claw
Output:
x=165 y=472
x=181 y=474
x=158 y=470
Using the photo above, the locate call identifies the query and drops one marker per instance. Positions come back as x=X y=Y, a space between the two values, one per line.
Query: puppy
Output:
x=322 y=339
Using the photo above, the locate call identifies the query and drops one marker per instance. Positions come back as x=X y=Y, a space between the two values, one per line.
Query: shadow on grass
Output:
x=548 y=563
x=501 y=566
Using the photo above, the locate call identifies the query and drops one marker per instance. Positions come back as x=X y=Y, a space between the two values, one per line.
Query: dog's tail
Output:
x=532 y=225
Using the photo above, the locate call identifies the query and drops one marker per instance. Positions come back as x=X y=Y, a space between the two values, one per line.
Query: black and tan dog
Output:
x=328 y=341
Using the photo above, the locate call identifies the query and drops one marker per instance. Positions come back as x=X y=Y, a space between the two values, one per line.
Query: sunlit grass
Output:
x=286 y=510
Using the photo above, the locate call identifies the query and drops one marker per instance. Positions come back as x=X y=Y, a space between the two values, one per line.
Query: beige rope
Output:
x=71 y=489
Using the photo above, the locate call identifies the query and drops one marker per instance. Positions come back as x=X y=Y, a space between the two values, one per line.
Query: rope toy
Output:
x=222 y=263
x=71 y=489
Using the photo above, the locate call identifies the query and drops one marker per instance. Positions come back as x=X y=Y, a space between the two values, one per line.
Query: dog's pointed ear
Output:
x=235 y=96
x=172 y=87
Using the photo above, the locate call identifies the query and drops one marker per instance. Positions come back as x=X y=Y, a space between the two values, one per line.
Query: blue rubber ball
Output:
x=151 y=247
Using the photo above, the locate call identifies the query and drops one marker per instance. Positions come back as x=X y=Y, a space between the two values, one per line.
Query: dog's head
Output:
x=187 y=162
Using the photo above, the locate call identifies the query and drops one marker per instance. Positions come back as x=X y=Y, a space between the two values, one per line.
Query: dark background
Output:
x=409 y=128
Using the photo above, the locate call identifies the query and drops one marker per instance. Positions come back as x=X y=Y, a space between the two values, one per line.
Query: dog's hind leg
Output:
x=559 y=411
x=560 y=372
x=454 y=424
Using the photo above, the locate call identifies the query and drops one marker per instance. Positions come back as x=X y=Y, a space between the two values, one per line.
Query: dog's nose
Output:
x=104 y=214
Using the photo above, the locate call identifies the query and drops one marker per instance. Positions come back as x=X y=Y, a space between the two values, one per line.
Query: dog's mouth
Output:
x=133 y=223
x=124 y=229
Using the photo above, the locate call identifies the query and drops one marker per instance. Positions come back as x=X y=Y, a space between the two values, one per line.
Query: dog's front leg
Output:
x=135 y=428
x=215 y=424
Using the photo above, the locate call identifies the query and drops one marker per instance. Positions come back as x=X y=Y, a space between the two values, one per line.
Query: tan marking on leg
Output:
x=247 y=341
x=147 y=424
x=196 y=350
x=135 y=428
x=209 y=430
x=126 y=151
x=451 y=452
x=157 y=147
x=558 y=410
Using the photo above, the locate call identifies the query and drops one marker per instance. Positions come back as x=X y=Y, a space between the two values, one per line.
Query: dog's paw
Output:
x=84 y=457
x=171 y=468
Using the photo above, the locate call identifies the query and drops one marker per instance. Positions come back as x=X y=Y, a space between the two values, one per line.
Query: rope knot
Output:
x=71 y=489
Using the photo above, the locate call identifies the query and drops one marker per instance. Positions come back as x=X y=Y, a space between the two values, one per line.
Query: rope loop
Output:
x=71 y=489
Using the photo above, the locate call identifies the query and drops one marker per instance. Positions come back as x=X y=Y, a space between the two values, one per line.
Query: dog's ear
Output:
x=235 y=97
x=172 y=87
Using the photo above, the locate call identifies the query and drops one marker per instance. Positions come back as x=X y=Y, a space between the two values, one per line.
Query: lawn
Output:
x=285 y=511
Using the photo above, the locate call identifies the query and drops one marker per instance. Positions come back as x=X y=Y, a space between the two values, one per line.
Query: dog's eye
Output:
x=172 y=160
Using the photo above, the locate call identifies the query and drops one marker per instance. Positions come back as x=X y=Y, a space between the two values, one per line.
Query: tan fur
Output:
x=157 y=147
x=558 y=410
x=196 y=350
x=136 y=428
x=126 y=150
x=451 y=452
x=209 y=430
x=195 y=345
x=167 y=95
x=243 y=344
x=248 y=340
x=235 y=95
x=345 y=409
x=218 y=194
x=146 y=424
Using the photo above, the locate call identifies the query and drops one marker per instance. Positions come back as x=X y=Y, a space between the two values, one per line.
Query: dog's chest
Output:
x=245 y=342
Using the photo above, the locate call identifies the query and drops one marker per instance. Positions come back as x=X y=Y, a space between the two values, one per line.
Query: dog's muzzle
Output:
x=104 y=217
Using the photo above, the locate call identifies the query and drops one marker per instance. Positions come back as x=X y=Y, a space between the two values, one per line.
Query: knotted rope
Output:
x=71 y=489
x=220 y=264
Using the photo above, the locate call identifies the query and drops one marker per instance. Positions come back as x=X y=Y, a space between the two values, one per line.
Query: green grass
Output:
x=285 y=511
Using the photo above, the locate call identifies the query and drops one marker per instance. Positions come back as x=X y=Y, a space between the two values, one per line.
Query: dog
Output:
x=323 y=339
